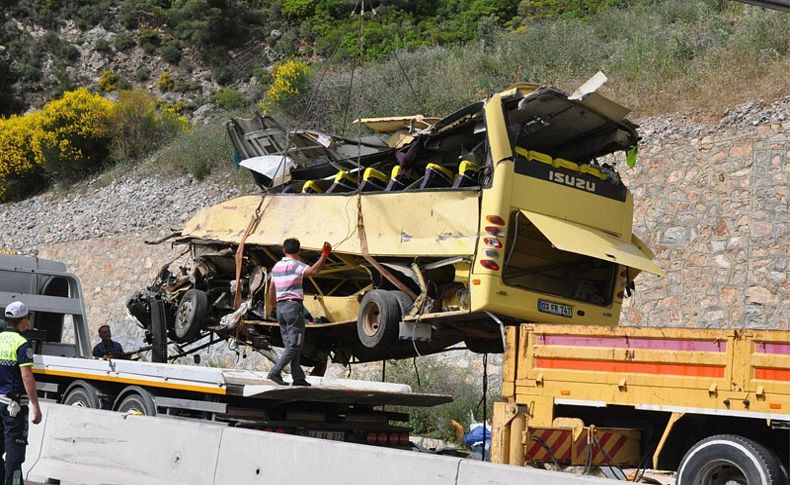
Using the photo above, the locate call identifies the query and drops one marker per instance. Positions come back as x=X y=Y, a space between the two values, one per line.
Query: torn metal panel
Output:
x=439 y=224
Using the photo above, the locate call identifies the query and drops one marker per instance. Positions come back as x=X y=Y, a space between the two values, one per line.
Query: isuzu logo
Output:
x=571 y=181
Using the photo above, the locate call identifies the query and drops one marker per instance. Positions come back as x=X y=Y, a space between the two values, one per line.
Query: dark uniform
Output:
x=15 y=352
x=111 y=348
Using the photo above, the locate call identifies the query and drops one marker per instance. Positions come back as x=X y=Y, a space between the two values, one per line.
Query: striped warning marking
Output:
x=559 y=441
x=604 y=452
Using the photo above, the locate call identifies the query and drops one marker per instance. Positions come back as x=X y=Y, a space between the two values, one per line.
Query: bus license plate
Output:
x=327 y=435
x=555 y=308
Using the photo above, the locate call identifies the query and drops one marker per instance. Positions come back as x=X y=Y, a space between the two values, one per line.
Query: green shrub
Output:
x=171 y=53
x=69 y=52
x=102 y=46
x=229 y=99
x=143 y=74
x=187 y=85
x=138 y=127
x=200 y=151
x=149 y=40
x=123 y=42
x=223 y=75
x=29 y=72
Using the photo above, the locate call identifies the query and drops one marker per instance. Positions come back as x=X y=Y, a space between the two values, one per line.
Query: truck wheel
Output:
x=83 y=395
x=191 y=314
x=136 y=400
x=728 y=458
x=378 y=319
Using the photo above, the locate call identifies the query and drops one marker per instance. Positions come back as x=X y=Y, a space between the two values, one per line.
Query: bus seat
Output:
x=436 y=176
x=399 y=179
x=540 y=157
x=374 y=180
x=468 y=174
x=561 y=162
x=311 y=187
x=344 y=182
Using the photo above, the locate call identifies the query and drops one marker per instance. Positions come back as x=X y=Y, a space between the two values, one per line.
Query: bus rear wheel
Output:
x=378 y=319
x=729 y=459
x=190 y=315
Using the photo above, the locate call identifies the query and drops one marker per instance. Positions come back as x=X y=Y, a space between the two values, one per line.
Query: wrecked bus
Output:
x=444 y=230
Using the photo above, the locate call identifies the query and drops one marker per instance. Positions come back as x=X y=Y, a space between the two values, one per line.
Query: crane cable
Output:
x=258 y=214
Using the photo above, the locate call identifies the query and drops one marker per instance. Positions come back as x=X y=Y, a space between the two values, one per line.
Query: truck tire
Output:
x=191 y=313
x=729 y=458
x=404 y=302
x=136 y=400
x=378 y=319
x=84 y=395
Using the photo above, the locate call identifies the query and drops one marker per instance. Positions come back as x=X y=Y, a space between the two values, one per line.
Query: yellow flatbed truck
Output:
x=711 y=404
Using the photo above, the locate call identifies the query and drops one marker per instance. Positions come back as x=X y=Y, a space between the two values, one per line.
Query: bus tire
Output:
x=378 y=320
x=729 y=458
x=84 y=395
x=190 y=315
x=405 y=303
x=136 y=400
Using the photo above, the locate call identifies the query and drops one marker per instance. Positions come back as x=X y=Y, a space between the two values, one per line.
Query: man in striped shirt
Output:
x=286 y=287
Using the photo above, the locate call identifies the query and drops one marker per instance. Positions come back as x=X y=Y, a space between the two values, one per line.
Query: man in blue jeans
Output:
x=286 y=288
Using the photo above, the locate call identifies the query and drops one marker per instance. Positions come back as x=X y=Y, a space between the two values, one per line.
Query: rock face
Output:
x=715 y=212
x=711 y=202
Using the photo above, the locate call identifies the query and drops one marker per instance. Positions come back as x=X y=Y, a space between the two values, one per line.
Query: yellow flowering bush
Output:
x=287 y=80
x=76 y=134
x=165 y=82
x=20 y=154
x=108 y=80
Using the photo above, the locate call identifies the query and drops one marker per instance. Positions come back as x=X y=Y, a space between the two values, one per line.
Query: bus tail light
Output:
x=488 y=264
x=495 y=231
x=381 y=438
x=404 y=439
x=371 y=438
x=492 y=242
x=491 y=253
x=394 y=438
x=495 y=220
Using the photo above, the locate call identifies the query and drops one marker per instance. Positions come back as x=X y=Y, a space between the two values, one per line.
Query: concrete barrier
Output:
x=87 y=446
x=81 y=445
x=274 y=458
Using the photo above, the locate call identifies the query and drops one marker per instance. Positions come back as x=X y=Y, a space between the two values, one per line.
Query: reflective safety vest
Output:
x=15 y=352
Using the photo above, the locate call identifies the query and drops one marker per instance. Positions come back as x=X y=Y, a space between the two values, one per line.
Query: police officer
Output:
x=16 y=379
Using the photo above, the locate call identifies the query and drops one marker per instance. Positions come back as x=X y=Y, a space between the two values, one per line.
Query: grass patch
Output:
x=201 y=151
x=659 y=56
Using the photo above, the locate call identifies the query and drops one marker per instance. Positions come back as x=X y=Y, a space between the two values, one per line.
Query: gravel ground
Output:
x=697 y=124
x=134 y=202
x=128 y=204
